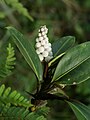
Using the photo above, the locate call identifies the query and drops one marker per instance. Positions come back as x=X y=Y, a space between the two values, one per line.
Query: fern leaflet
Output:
x=12 y=97
x=8 y=64
x=18 y=113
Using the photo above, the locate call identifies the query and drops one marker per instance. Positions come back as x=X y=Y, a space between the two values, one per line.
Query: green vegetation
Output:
x=67 y=73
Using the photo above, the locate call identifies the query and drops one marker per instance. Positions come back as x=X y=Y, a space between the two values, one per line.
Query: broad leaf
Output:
x=81 y=111
x=62 y=45
x=73 y=59
x=78 y=75
x=27 y=51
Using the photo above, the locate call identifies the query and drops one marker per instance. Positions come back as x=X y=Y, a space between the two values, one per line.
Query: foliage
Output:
x=17 y=6
x=14 y=98
x=82 y=112
x=8 y=63
x=13 y=106
x=65 y=17
x=28 y=52
x=74 y=58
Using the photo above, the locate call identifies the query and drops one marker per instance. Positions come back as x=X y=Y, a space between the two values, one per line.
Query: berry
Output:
x=37 y=51
x=50 y=53
x=41 y=49
x=46 y=46
x=38 y=45
x=43 y=42
x=37 y=40
x=42 y=29
x=39 y=34
x=49 y=44
x=49 y=49
x=40 y=38
x=41 y=57
x=45 y=53
x=47 y=58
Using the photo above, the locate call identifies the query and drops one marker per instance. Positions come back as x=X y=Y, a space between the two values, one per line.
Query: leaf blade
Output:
x=74 y=58
x=81 y=111
x=78 y=75
x=27 y=51
x=62 y=45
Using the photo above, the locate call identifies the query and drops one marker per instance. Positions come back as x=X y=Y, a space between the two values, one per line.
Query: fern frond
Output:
x=9 y=97
x=41 y=118
x=14 y=106
x=18 y=113
x=16 y=5
x=9 y=63
x=43 y=111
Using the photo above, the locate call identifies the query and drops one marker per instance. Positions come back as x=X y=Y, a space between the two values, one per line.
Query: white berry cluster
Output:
x=43 y=47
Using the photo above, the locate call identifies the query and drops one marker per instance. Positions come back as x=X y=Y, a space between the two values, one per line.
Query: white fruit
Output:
x=38 y=44
x=46 y=31
x=46 y=46
x=45 y=53
x=45 y=36
x=50 y=53
x=37 y=51
x=46 y=39
x=49 y=44
x=42 y=29
x=43 y=33
x=49 y=49
x=39 y=34
x=40 y=38
x=37 y=40
x=43 y=42
x=47 y=58
x=41 y=57
x=41 y=49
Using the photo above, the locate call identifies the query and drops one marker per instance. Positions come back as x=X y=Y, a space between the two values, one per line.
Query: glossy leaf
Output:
x=78 y=75
x=27 y=51
x=73 y=59
x=62 y=45
x=81 y=111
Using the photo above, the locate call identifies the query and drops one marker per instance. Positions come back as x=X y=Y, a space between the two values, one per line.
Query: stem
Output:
x=45 y=70
x=37 y=85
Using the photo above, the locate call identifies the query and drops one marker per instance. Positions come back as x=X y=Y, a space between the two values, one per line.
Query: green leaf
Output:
x=7 y=61
x=81 y=111
x=78 y=75
x=73 y=59
x=41 y=118
x=55 y=59
x=62 y=45
x=18 y=6
x=27 y=51
x=7 y=96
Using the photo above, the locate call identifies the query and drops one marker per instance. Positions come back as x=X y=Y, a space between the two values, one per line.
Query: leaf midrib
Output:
x=79 y=111
x=72 y=68
x=27 y=54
